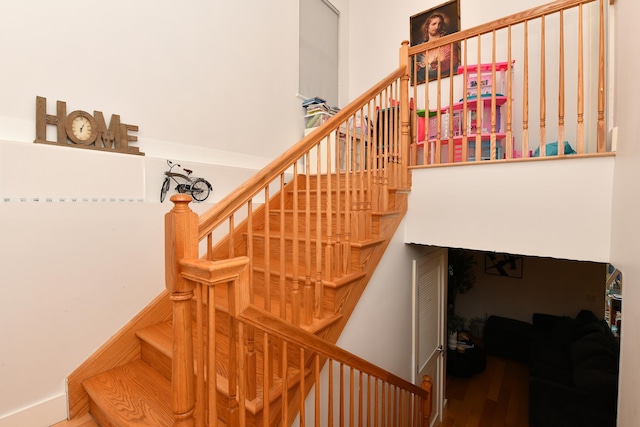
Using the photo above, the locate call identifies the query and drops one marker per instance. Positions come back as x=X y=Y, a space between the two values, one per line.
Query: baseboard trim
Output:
x=43 y=414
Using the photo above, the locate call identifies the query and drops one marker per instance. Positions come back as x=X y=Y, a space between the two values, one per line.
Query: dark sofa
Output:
x=574 y=366
x=574 y=372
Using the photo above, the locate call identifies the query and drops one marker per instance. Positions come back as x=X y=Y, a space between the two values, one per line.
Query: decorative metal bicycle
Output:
x=198 y=187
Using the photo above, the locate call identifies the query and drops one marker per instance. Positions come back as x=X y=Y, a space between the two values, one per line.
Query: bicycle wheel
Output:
x=200 y=190
x=164 y=189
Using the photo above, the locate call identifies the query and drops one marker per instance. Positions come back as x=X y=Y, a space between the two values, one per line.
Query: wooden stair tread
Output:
x=132 y=395
x=84 y=421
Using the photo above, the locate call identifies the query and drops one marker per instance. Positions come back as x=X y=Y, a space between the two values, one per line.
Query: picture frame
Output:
x=427 y=65
x=505 y=265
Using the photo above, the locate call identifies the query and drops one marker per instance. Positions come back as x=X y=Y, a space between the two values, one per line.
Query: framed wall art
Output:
x=431 y=25
x=505 y=265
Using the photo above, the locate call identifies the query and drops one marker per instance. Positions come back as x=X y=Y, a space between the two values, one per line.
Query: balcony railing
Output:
x=529 y=85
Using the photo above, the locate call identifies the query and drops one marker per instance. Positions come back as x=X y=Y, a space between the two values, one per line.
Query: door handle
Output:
x=440 y=349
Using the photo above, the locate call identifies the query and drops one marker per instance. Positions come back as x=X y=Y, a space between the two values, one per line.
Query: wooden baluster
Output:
x=369 y=150
x=341 y=385
x=283 y=254
x=295 y=255
x=479 y=109
x=232 y=407
x=509 y=141
x=267 y=249
x=492 y=143
x=329 y=257
x=368 y=400
x=251 y=365
x=302 y=388
x=580 y=129
x=602 y=143
x=439 y=135
x=429 y=155
x=388 y=403
x=267 y=378
x=242 y=376
x=427 y=403
x=465 y=109
x=543 y=90
x=360 y=149
x=375 y=155
x=346 y=244
x=330 y=394
x=181 y=241
x=339 y=213
x=405 y=118
x=212 y=375
x=232 y=239
x=317 y=388
x=360 y=397
x=376 y=410
x=285 y=383
x=308 y=290
x=202 y=351
x=319 y=288
x=352 y=386
x=561 y=90
x=525 y=93
x=452 y=46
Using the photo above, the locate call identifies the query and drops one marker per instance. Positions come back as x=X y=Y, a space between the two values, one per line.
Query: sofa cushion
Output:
x=544 y=322
x=595 y=364
x=586 y=316
x=566 y=331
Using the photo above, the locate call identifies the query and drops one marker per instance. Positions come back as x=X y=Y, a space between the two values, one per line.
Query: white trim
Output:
x=45 y=413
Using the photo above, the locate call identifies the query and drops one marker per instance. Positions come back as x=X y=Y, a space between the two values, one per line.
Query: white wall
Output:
x=554 y=208
x=212 y=85
x=625 y=233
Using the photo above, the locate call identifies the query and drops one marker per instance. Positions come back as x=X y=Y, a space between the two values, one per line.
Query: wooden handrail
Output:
x=259 y=318
x=236 y=199
x=517 y=18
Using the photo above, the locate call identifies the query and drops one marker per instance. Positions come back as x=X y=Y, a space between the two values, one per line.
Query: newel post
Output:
x=405 y=116
x=426 y=403
x=181 y=242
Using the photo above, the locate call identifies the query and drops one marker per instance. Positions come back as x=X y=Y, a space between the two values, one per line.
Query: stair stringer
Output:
x=122 y=348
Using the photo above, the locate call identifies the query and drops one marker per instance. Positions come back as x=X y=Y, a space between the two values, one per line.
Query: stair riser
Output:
x=351 y=200
x=276 y=256
x=275 y=288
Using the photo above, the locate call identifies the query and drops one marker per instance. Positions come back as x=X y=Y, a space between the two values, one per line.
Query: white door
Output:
x=429 y=281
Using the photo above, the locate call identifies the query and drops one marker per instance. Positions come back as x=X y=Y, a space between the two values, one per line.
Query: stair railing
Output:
x=341 y=172
x=544 y=49
x=369 y=394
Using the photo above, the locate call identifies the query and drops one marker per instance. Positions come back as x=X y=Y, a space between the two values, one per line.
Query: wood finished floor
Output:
x=497 y=397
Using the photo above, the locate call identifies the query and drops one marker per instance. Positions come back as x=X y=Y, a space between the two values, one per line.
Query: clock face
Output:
x=81 y=127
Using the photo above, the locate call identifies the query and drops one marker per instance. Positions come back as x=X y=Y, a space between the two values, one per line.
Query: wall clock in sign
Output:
x=83 y=130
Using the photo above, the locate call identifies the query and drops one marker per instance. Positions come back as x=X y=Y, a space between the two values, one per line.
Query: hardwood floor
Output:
x=497 y=397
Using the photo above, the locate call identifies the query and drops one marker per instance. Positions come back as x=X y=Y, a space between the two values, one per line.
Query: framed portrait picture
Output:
x=430 y=25
x=505 y=265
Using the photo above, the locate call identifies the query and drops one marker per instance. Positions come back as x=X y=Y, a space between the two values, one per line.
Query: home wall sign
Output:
x=83 y=130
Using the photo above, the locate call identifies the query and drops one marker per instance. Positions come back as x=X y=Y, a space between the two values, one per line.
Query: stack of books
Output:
x=317 y=111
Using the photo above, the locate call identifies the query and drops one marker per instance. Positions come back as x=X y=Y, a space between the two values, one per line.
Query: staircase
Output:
x=139 y=392
x=260 y=287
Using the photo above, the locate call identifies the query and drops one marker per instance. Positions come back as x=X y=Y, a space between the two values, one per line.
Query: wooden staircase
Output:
x=138 y=392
